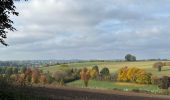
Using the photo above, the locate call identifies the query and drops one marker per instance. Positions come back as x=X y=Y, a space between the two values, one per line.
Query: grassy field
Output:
x=115 y=85
x=114 y=66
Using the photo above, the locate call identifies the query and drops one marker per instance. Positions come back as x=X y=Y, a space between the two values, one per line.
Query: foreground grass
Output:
x=115 y=85
x=114 y=66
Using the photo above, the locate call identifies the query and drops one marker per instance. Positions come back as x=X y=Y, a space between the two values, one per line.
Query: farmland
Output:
x=114 y=78
x=114 y=66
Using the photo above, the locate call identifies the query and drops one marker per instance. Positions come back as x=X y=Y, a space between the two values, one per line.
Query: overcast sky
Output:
x=89 y=29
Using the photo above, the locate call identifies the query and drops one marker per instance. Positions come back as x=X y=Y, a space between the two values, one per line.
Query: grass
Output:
x=115 y=85
x=114 y=66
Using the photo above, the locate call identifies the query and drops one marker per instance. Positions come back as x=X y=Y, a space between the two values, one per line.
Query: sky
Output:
x=89 y=29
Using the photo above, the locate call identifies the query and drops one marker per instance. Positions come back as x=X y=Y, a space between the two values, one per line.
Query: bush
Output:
x=143 y=78
x=113 y=77
x=50 y=79
x=155 y=80
x=76 y=73
x=166 y=63
x=23 y=69
x=164 y=82
x=59 y=75
x=135 y=75
x=158 y=65
x=9 y=71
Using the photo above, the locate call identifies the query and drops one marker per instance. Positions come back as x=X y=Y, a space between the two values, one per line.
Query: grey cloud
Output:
x=104 y=29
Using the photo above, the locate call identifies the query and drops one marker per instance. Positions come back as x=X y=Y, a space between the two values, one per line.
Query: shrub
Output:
x=155 y=80
x=9 y=71
x=158 y=65
x=135 y=75
x=164 y=82
x=166 y=63
x=76 y=73
x=50 y=79
x=15 y=70
x=113 y=77
x=143 y=78
x=59 y=75
x=23 y=69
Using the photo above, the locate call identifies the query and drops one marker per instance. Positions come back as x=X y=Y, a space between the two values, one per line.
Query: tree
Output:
x=28 y=75
x=9 y=71
x=85 y=76
x=23 y=69
x=7 y=8
x=135 y=75
x=130 y=57
x=43 y=79
x=96 y=68
x=35 y=76
x=105 y=72
x=15 y=70
x=94 y=72
x=158 y=65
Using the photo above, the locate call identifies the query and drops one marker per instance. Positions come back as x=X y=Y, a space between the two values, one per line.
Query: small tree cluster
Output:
x=66 y=74
x=130 y=57
x=135 y=75
x=31 y=76
x=9 y=70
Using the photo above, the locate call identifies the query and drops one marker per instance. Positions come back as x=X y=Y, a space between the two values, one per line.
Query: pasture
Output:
x=113 y=66
x=93 y=84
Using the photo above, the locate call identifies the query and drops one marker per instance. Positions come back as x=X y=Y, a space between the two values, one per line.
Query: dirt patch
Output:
x=68 y=93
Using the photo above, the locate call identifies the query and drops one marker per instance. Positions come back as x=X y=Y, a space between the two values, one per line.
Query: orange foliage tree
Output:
x=43 y=79
x=35 y=75
x=85 y=76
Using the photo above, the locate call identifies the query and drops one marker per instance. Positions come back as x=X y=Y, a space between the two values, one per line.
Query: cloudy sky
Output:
x=89 y=29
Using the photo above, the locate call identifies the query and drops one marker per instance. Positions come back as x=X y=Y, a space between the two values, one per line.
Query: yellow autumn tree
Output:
x=134 y=75
x=93 y=73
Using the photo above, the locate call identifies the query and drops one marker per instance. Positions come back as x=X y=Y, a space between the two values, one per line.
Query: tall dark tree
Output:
x=7 y=8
